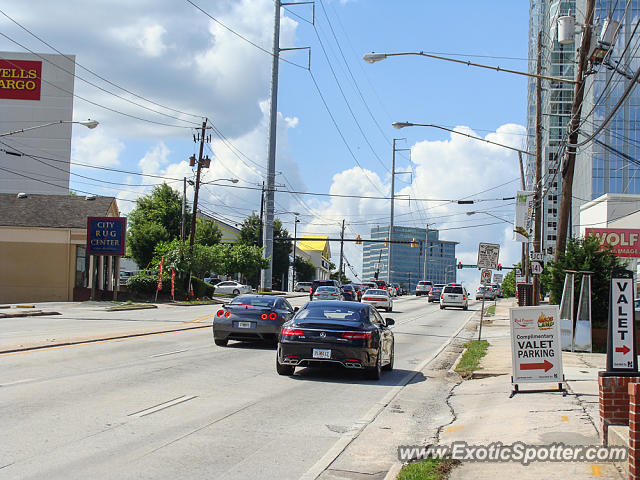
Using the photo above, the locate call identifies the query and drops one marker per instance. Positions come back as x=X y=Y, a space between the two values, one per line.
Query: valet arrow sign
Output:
x=546 y=366
x=621 y=341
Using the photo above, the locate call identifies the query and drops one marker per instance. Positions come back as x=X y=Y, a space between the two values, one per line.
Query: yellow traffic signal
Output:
x=358 y=240
x=414 y=243
x=386 y=239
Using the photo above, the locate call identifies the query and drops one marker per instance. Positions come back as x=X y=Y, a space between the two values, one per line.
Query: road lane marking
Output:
x=453 y=428
x=595 y=470
x=201 y=319
x=17 y=382
x=106 y=340
x=168 y=353
x=564 y=418
x=162 y=406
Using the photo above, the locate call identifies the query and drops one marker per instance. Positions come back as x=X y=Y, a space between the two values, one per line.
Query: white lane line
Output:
x=162 y=406
x=17 y=382
x=168 y=353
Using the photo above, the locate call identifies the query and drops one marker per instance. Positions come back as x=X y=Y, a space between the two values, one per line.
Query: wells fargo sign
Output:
x=624 y=241
x=20 y=79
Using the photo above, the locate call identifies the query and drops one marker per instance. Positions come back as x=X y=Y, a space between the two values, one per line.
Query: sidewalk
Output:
x=485 y=414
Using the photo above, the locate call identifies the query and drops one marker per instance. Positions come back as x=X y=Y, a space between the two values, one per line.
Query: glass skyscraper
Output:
x=407 y=263
x=606 y=164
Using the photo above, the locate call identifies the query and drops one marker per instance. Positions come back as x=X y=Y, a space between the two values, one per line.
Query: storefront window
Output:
x=82 y=266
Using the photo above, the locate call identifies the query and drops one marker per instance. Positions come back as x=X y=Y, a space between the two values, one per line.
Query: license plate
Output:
x=244 y=324
x=321 y=353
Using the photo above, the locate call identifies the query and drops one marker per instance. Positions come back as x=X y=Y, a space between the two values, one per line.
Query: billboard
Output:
x=624 y=241
x=20 y=79
x=106 y=235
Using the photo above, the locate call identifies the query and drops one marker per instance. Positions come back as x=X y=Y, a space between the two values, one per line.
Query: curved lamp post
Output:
x=91 y=124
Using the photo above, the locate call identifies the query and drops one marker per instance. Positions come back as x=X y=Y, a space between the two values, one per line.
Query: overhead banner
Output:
x=625 y=242
x=523 y=224
x=535 y=345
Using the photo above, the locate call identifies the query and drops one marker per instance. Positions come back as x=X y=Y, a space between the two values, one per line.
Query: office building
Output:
x=408 y=263
x=608 y=164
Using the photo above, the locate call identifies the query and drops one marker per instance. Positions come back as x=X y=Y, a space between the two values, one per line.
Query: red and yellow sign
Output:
x=624 y=241
x=20 y=79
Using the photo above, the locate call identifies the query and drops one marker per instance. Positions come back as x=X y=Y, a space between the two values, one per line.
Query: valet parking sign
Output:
x=621 y=343
x=535 y=345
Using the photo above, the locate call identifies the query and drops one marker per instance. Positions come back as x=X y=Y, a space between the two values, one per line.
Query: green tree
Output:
x=142 y=240
x=246 y=260
x=586 y=254
x=509 y=283
x=156 y=218
x=207 y=232
x=250 y=235
x=305 y=271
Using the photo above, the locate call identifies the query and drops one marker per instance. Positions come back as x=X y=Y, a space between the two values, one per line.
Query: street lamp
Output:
x=490 y=214
x=376 y=57
x=91 y=124
x=399 y=125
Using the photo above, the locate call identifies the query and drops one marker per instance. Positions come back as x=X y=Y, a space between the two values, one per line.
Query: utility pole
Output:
x=426 y=251
x=295 y=236
x=260 y=240
x=524 y=245
x=192 y=237
x=570 y=155
x=537 y=200
x=341 y=252
x=184 y=209
x=393 y=178
x=267 y=234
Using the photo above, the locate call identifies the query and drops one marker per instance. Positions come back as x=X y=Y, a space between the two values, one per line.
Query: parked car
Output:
x=485 y=292
x=350 y=334
x=251 y=317
x=378 y=298
x=349 y=293
x=423 y=287
x=327 y=293
x=302 y=287
x=435 y=292
x=498 y=289
x=125 y=276
x=454 y=295
x=232 y=287
x=319 y=283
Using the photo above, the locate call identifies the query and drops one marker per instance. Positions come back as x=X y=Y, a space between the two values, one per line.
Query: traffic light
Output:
x=386 y=239
x=459 y=265
x=499 y=266
x=358 y=240
x=414 y=243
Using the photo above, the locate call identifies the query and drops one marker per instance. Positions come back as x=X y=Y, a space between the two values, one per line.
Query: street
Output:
x=175 y=405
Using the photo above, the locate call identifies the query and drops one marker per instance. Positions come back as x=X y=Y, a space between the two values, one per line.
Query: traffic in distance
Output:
x=340 y=325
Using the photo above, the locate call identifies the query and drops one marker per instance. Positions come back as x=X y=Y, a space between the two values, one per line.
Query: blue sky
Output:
x=178 y=57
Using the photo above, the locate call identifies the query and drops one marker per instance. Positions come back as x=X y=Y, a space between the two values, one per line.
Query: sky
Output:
x=163 y=66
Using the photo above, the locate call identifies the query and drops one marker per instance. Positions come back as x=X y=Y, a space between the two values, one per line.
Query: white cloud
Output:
x=151 y=41
x=97 y=148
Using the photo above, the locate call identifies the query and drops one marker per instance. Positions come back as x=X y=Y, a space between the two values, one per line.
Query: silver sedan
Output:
x=232 y=287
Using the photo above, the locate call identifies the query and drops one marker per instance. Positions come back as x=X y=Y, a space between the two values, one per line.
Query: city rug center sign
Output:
x=106 y=235
x=535 y=345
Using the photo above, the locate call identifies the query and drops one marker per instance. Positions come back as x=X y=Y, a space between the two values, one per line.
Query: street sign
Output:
x=518 y=272
x=536 y=267
x=520 y=279
x=535 y=345
x=497 y=278
x=488 y=254
x=485 y=276
x=536 y=256
x=621 y=344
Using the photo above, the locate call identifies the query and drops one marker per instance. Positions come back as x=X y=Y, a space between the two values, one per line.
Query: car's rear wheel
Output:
x=221 y=342
x=236 y=292
x=441 y=307
x=284 y=369
x=374 y=373
x=466 y=307
x=389 y=309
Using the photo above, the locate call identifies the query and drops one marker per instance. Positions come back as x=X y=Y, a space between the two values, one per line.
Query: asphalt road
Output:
x=177 y=406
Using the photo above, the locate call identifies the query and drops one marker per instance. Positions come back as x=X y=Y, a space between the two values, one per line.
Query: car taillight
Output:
x=316 y=294
x=464 y=297
x=356 y=335
x=273 y=316
x=227 y=314
x=334 y=294
x=292 y=332
x=263 y=316
x=220 y=313
x=367 y=298
x=442 y=296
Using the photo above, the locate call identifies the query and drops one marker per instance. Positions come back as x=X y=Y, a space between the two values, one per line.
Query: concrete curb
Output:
x=36 y=313
x=125 y=308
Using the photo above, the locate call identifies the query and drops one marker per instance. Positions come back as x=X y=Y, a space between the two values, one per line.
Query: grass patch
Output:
x=491 y=310
x=475 y=350
x=429 y=469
